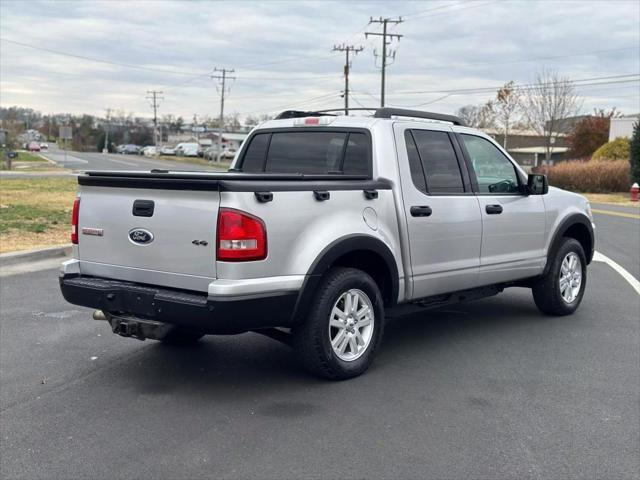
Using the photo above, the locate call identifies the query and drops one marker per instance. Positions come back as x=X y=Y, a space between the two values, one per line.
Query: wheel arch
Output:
x=577 y=226
x=363 y=252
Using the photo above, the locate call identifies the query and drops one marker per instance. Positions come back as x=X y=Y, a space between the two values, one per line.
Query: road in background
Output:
x=619 y=237
x=101 y=161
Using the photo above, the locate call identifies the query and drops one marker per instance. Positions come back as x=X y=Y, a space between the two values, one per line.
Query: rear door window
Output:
x=438 y=162
x=308 y=152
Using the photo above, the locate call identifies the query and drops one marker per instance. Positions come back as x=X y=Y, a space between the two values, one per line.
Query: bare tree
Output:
x=507 y=105
x=477 y=116
x=550 y=100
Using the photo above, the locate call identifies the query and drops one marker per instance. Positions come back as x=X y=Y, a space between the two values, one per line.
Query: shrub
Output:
x=590 y=177
x=617 y=149
x=635 y=153
x=588 y=135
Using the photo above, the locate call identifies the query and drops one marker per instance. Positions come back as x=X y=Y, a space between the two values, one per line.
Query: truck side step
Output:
x=436 y=301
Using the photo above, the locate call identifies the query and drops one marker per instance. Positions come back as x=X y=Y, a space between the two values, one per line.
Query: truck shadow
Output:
x=230 y=367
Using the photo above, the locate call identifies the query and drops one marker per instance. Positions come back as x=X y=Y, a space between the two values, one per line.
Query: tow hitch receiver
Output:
x=133 y=327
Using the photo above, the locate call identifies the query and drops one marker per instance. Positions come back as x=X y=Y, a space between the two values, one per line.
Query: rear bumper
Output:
x=182 y=308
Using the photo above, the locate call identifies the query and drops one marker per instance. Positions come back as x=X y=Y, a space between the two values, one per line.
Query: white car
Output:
x=167 y=150
x=44 y=146
x=148 y=151
x=187 y=149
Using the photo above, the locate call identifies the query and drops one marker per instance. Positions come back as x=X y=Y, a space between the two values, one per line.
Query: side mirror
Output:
x=537 y=184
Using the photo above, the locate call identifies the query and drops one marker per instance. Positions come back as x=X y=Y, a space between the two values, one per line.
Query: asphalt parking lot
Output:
x=489 y=389
x=111 y=161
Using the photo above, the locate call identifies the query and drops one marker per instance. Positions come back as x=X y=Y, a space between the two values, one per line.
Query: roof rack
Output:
x=379 y=113
x=401 y=112
x=301 y=114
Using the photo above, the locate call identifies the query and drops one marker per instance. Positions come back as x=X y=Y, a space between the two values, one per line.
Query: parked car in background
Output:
x=44 y=146
x=33 y=147
x=168 y=150
x=128 y=149
x=211 y=153
x=229 y=154
x=187 y=149
x=148 y=151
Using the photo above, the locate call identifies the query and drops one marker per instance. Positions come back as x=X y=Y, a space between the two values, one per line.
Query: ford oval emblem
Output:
x=141 y=236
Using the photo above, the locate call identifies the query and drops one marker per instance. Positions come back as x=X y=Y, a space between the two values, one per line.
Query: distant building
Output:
x=622 y=126
x=527 y=147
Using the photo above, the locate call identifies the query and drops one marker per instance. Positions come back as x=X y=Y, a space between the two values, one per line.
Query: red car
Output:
x=33 y=147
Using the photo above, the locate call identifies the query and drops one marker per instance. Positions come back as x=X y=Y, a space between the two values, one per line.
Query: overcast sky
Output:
x=281 y=53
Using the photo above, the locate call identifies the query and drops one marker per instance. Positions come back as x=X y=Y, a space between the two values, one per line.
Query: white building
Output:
x=622 y=126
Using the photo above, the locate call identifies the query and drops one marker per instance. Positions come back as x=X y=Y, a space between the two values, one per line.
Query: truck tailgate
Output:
x=176 y=239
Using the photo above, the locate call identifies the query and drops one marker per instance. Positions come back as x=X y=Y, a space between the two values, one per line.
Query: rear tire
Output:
x=560 y=290
x=181 y=337
x=344 y=328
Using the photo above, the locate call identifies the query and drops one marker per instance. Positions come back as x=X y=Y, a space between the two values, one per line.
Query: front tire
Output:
x=344 y=327
x=560 y=290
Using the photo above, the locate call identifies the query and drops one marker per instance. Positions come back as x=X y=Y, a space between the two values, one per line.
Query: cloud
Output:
x=281 y=51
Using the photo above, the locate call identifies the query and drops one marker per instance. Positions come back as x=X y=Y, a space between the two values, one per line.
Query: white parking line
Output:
x=633 y=281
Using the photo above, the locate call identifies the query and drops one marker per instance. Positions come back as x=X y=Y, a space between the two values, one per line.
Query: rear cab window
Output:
x=308 y=151
x=434 y=165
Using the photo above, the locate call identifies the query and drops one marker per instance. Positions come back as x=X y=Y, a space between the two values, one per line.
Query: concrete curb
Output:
x=22 y=256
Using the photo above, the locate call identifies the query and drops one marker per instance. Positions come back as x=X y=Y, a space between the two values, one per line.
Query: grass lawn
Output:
x=31 y=162
x=622 y=198
x=35 y=212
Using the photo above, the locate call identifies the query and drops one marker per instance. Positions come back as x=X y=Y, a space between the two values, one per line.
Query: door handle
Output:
x=494 y=209
x=423 y=211
x=321 y=195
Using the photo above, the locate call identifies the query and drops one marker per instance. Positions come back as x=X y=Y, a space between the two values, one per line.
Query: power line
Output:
x=193 y=74
x=523 y=86
x=385 y=44
x=295 y=104
x=99 y=60
x=424 y=13
x=525 y=60
x=347 y=65
x=223 y=79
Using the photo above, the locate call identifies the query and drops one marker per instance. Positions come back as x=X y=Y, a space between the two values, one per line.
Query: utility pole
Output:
x=106 y=133
x=223 y=77
x=347 y=49
x=154 y=96
x=385 y=44
x=194 y=128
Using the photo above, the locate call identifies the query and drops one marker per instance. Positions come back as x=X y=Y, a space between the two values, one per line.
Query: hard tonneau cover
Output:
x=230 y=181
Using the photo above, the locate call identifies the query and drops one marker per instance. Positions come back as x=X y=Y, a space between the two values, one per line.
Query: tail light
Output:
x=241 y=237
x=75 y=214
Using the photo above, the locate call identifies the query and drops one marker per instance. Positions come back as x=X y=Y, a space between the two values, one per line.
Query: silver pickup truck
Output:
x=323 y=225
